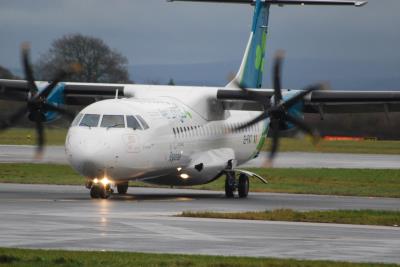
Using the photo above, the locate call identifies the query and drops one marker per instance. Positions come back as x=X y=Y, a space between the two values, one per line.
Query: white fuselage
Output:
x=189 y=139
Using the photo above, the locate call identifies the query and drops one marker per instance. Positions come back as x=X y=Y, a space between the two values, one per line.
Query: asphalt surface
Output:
x=64 y=217
x=56 y=154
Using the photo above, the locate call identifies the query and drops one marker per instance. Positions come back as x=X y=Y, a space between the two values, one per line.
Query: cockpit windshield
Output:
x=110 y=121
x=90 y=120
x=113 y=121
x=143 y=122
x=133 y=123
x=77 y=120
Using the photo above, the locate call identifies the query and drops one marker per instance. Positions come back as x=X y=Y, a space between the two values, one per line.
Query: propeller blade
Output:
x=292 y=101
x=74 y=68
x=13 y=119
x=303 y=126
x=277 y=76
x=261 y=117
x=274 y=124
x=28 y=69
x=50 y=107
x=40 y=135
x=251 y=94
x=46 y=92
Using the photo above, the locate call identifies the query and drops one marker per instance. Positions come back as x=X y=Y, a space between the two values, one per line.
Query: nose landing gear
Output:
x=100 y=189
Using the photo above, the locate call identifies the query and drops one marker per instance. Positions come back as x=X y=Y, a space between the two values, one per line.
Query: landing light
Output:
x=179 y=169
x=95 y=181
x=105 y=181
x=184 y=176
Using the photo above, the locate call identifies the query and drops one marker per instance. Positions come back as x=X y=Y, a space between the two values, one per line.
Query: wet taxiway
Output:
x=64 y=217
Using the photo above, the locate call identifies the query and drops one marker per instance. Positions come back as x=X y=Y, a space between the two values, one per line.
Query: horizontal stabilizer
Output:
x=284 y=2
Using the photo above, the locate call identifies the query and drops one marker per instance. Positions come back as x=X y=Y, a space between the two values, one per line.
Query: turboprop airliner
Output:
x=183 y=135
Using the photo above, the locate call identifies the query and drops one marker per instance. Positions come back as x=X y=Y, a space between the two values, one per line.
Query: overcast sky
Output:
x=157 y=32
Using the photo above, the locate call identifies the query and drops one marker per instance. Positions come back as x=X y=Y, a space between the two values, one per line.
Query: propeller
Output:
x=36 y=101
x=278 y=110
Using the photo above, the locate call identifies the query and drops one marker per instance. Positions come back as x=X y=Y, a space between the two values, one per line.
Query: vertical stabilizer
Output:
x=251 y=70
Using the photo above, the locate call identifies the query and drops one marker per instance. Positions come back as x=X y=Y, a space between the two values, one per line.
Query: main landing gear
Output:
x=232 y=184
x=122 y=188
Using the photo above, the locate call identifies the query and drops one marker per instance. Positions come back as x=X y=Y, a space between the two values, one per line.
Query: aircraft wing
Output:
x=74 y=93
x=330 y=101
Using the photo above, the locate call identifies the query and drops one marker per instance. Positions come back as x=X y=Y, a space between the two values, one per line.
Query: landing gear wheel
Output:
x=104 y=193
x=99 y=191
x=243 y=187
x=95 y=191
x=230 y=184
x=122 y=188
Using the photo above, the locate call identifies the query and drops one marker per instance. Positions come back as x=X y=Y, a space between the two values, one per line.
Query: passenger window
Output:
x=77 y=120
x=133 y=123
x=113 y=121
x=90 y=120
x=143 y=122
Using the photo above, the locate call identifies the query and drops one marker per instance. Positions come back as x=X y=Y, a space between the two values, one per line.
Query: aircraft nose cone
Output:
x=89 y=156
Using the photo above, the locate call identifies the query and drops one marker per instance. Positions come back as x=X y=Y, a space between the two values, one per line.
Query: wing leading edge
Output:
x=74 y=93
x=332 y=101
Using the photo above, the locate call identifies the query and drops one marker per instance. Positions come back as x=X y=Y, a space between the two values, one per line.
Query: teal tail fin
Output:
x=251 y=70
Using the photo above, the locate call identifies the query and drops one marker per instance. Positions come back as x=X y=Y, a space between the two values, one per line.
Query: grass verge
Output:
x=24 y=257
x=362 y=217
x=345 y=182
x=324 y=146
x=348 y=182
x=26 y=136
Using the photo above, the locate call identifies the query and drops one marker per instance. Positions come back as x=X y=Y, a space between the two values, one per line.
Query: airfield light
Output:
x=184 y=176
x=95 y=181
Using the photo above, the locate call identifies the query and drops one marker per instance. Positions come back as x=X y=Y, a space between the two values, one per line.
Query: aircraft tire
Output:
x=230 y=185
x=244 y=185
x=95 y=192
x=104 y=193
x=122 y=188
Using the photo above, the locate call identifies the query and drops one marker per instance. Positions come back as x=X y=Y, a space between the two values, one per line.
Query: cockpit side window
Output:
x=133 y=123
x=113 y=121
x=77 y=119
x=143 y=122
x=90 y=120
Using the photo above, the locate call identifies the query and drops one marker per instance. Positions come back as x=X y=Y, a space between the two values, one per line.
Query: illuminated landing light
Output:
x=95 y=181
x=179 y=169
x=184 y=176
x=105 y=181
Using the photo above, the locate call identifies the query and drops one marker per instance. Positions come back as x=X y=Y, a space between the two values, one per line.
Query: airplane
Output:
x=183 y=135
